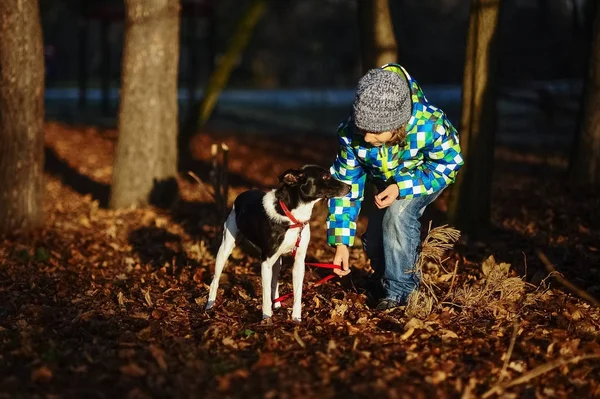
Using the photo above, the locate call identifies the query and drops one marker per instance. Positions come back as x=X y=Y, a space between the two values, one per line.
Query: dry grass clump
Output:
x=430 y=266
x=496 y=293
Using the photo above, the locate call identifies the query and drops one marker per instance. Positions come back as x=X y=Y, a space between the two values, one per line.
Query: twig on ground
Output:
x=569 y=285
x=201 y=184
x=539 y=370
x=511 y=346
x=507 y=356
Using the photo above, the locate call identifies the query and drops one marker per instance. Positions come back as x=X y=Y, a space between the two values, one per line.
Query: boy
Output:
x=410 y=150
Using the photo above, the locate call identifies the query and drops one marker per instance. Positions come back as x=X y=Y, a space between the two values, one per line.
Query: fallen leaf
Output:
x=133 y=370
x=159 y=356
x=518 y=366
x=229 y=342
x=41 y=374
x=331 y=346
x=414 y=323
x=407 y=334
x=298 y=339
x=120 y=299
x=147 y=297
x=437 y=377
x=447 y=334
x=265 y=360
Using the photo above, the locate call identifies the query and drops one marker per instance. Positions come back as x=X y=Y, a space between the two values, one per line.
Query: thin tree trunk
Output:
x=21 y=116
x=470 y=203
x=146 y=160
x=219 y=77
x=377 y=40
x=585 y=162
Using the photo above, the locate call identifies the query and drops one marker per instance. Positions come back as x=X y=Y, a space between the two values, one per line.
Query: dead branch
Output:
x=542 y=369
x=511 y=346
x=569 y=285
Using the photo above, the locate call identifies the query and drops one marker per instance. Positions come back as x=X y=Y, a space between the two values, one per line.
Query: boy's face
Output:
x=375 y=139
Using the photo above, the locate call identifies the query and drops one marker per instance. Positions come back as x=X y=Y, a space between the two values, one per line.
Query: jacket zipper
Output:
x=384 y=161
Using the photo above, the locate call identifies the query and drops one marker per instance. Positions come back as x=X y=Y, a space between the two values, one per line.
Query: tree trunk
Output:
x=469 y=207
x=377 y=41
x=21 y=116
x=146 y=160
x=585 y=162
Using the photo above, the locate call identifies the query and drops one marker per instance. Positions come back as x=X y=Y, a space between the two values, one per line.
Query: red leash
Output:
x=321 y=281
x=298 y=224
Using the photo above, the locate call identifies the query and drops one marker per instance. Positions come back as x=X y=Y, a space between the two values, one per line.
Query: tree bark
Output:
x=469 y=207
x=585 y=162
x=146 y=160
x=377 y=40
x=21 y=116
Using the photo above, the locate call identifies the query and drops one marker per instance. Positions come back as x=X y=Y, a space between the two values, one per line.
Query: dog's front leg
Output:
x=266 y=270
x=298 y=276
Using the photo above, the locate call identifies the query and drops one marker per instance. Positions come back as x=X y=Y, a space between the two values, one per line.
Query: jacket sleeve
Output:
x=442 y=160
x=343 y=211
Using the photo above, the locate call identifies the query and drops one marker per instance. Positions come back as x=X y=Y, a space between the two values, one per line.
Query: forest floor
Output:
x=106 y=303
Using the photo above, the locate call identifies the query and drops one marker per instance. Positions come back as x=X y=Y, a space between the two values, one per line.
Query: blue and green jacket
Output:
x=426 y=163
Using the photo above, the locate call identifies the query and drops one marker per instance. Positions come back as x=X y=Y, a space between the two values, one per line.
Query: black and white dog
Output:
x=276 y=223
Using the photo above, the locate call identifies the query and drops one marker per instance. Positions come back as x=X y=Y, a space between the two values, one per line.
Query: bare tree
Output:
x=585 y=161
x=377 y=40
x=146 y=161
x=469 y=206
x=21 y=116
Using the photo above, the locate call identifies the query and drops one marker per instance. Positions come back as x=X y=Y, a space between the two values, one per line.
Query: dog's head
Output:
x=314 y=182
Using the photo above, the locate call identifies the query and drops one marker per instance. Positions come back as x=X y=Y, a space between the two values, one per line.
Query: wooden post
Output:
x=224 y=179
x=219 y=177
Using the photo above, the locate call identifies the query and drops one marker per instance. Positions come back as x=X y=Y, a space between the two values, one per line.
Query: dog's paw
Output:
x=296 y=317
x=209 y=305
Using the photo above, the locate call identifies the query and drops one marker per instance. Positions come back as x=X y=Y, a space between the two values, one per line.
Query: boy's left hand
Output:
x=387 y=196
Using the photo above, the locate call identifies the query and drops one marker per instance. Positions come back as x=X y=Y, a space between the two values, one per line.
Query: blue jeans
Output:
x=391 y=242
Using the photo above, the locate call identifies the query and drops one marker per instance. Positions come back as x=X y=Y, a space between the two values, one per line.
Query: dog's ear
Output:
x=292 y=177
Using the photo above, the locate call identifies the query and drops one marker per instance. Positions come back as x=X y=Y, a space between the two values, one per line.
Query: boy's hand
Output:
x=387 y=196
x=342 y=256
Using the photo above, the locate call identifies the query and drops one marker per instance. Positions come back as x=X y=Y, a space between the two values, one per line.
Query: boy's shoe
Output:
x=386 y=304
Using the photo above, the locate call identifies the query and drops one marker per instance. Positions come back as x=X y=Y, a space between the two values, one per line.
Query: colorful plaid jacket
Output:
x=427 y=162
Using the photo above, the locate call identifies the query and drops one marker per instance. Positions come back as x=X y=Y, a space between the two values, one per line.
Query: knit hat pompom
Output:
x=383 y=101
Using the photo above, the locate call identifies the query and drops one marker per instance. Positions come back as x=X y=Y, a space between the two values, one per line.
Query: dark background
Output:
x=314 y=43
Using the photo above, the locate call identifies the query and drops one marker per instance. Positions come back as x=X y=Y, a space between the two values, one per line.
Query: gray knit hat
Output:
x=382 y=101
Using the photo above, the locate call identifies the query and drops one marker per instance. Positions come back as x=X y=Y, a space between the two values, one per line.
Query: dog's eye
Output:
x=326 y=176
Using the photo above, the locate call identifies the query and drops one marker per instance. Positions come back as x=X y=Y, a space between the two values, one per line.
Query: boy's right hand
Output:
x=342 y=256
